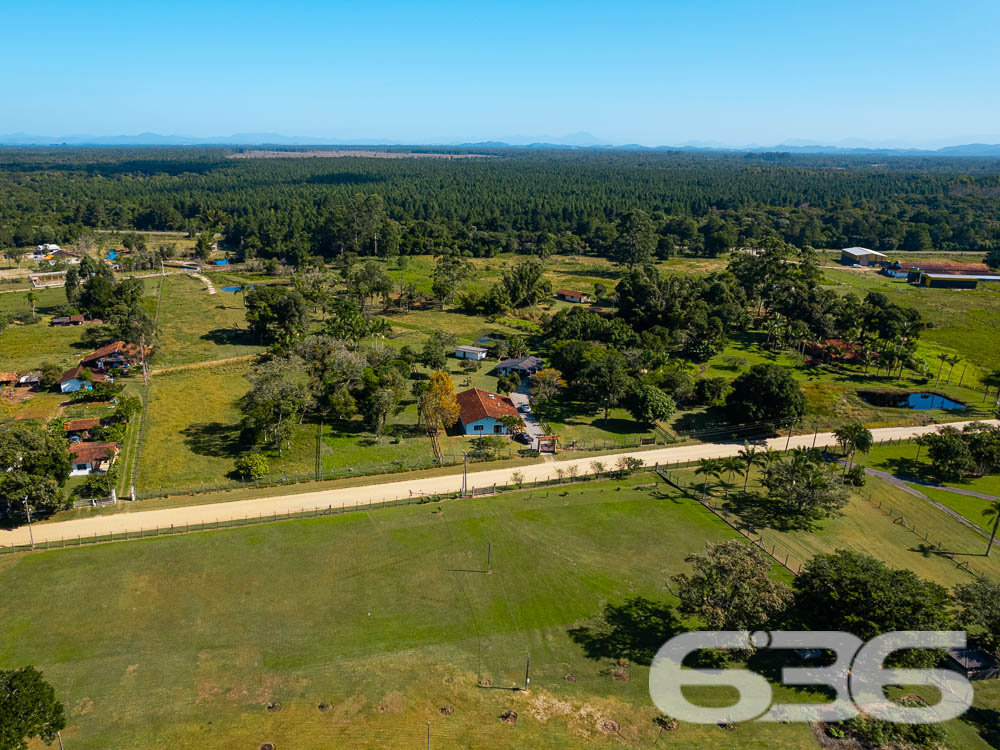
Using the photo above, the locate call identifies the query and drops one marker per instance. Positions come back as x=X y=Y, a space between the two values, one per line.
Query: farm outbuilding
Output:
x=571 y=295
x=955 y=280
x=523 y=366
x=861 y=255
x=470 y=352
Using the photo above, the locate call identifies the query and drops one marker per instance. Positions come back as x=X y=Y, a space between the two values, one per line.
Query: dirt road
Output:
x=347 y=496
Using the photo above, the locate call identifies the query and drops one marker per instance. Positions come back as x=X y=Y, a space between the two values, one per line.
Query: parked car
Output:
x=523 y=437
x=524 y=408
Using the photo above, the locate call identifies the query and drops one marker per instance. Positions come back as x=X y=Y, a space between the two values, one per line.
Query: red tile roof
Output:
x=571 y=293
x=130 y=351
x=93 y=452
x=476 y=404
x=75 y=425
x=74 y=372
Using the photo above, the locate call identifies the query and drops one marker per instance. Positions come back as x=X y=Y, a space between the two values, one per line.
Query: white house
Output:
x=74 y=380
x=470 y=352
x=90 y=458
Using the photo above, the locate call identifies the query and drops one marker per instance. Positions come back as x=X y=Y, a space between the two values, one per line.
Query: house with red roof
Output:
x=481 y=412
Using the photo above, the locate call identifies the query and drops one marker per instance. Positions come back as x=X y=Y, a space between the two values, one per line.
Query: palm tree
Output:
x=992 y=380
x=853 y=437
x=748 y=455
x=732 y=464
x=708 y=467
x=944 y=358
x=952 y=361
x=32 y=297
x=992 y=510
x=243 y=293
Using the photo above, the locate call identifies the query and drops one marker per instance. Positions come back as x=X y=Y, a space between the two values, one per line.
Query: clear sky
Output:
x=671 y=72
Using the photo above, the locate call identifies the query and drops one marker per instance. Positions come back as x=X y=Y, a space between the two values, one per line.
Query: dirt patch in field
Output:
x=509 y=717
x=571 y=678
x=325 y=706
x=83 y=706
x=273 y=707
x=543 y=707
x=446 y=710
x=392 y=703
x=609 y=726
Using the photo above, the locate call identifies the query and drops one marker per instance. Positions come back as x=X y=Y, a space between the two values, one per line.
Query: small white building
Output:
x=470 y=352
x=861 y=255
x=47 y=248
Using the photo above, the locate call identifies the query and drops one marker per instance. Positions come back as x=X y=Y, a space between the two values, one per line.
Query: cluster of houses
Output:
x=96 y=367
x=940 y=274
x=88 y=457
x=482 y=412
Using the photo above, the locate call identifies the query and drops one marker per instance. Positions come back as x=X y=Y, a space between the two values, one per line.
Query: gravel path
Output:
x=348 y=496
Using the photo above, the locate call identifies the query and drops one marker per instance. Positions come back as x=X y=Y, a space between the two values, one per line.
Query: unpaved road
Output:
x=348 y=496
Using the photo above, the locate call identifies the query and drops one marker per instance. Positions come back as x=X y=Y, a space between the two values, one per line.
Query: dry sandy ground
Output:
x=350 y=496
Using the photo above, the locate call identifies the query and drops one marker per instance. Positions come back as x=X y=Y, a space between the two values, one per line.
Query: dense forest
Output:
x=521 y=200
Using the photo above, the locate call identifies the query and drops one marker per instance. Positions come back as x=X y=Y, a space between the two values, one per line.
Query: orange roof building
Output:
x=481 y=412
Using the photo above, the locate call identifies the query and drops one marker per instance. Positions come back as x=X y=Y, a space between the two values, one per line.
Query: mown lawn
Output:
x=363 y=626
x=385 y=616
x=192 y=434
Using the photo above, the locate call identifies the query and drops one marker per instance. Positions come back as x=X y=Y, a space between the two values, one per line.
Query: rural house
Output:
x=80 y=379
x=8 y=379
x=570 y=295
x=470 y=352
x=480 y=412
x=91 y=458
x=118 y=354
x=69 y=320
x=523 y=366
x=80 y=428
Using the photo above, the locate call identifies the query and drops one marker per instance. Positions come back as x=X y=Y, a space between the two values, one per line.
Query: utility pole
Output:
x=789 y=441
x=31 y=534
x=815 y=434
x=489 y=557
x=465 y=471
x=527 y=668
x=59 y=735
x=428 y=735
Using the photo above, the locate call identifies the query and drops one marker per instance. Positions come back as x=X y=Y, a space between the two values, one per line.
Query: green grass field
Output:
x=382 y=618
x=195 y=326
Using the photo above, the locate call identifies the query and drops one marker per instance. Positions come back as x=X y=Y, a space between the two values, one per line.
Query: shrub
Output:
x=253 y=466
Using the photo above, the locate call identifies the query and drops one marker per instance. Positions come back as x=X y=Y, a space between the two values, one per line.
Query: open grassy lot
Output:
x=192 y=435
x=901 y=459
x=363 y=626
x=964 y=320
x=195 y=326
x=867 y=526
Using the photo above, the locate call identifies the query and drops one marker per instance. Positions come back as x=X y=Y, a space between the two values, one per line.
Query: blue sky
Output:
x=672 y=72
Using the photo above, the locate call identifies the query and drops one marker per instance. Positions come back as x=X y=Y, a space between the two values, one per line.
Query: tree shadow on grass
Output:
x=215 y=439
x=230 y=336
x=757 y=511
x=634 y=630
x=986 y=721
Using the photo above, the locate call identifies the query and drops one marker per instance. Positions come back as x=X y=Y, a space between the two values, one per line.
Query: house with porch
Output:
x=523 y=366
x=482 y=412
x=80 y=428
x=92 y=458
x=117 y=354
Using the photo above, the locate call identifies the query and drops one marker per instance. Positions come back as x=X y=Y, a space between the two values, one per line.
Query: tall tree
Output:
x=438 y=403
x=636 y=239
x=28 y=709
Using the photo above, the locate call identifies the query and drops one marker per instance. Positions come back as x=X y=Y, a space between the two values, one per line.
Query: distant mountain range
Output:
x=580 y=140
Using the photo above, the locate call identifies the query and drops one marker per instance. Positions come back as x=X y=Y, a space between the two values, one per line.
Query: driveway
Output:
x=531 y=425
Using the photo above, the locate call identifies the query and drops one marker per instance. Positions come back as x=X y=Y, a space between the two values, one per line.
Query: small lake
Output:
x=234 y=288
x=917 y=401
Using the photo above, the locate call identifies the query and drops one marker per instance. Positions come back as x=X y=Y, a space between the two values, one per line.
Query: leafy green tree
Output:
x=253 y=466
x=766 y=393
x=718 y=237
x=203 y=246
x=711 y=391
x=804 y=489
x=978 y=606
x=34 y=466
x=380 y=397
x=28 y=709
x=856 y=593
x=525 y=283
x=605 y=381
x=649 y=405
x=992 y=259
x=636 y=239
x=277 y=398
x=546 y=385
x=276 y=314
x=449 y=272
x=508 y=383
x=51 y=372
x=437 y=403
x=984 y=446
x=434 y=354
x=731 y=588
x=950 y=456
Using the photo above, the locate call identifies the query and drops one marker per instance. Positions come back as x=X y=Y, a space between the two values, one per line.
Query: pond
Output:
x=234 y=288
x=917 y=401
